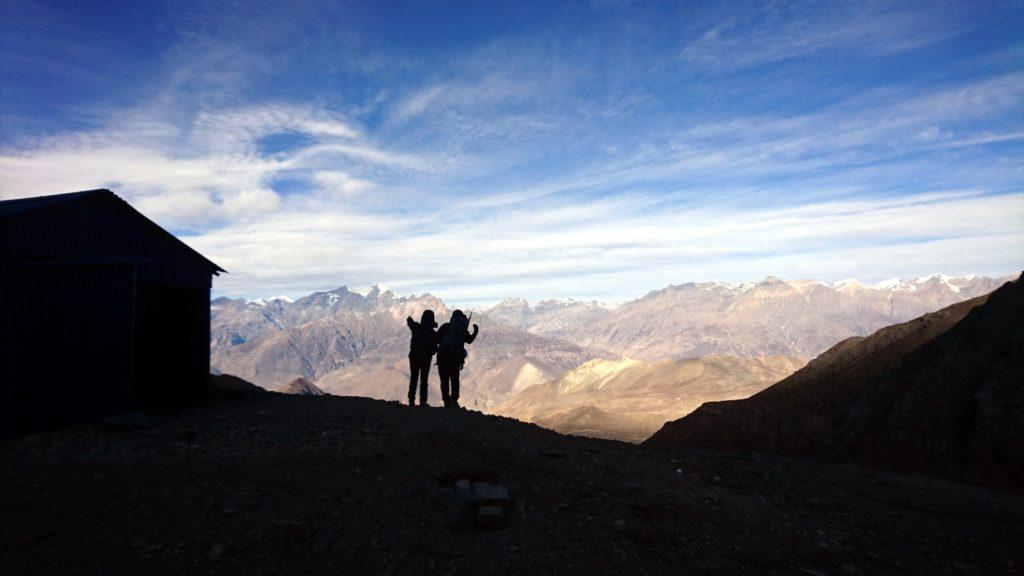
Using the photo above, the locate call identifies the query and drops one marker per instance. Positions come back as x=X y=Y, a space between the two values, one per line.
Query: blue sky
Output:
x=477 y=151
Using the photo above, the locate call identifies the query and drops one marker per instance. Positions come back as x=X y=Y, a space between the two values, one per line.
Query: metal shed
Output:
x=101 y=311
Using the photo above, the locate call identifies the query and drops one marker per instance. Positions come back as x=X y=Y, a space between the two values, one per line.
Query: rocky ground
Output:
x=274 y=484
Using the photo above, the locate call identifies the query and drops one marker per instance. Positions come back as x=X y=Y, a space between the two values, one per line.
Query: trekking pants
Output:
x=419 y=370
x=449 y=372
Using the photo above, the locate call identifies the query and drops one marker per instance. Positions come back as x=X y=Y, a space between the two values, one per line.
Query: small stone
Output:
x=619 y=523
x=463 y=488
x=495 y=494
x=490 y=516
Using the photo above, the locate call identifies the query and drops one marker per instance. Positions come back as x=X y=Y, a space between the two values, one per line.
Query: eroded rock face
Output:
x=631 y=399
x=801 y=318
x=943 y=393
x=352 y=344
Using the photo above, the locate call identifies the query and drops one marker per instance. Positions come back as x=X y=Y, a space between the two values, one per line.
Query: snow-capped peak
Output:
x=265 y=301
x=895 y=284
x=947 y=280
x=374 y=290
x=936 y=276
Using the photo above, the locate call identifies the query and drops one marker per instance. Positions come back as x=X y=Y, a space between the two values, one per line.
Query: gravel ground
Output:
x=276 y=484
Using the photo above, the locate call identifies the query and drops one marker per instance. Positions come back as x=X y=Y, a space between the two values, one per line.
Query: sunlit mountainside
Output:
x=633 y=365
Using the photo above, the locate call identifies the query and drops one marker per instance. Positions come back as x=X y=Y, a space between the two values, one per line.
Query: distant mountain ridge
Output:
x=349 y=343
x=800 y=318
x=942 y=393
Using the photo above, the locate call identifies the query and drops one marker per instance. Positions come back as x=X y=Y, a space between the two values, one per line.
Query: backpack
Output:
x=454 y=338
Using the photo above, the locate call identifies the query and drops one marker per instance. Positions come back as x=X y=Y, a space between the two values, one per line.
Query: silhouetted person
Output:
x=451 y=355
x=421 y=350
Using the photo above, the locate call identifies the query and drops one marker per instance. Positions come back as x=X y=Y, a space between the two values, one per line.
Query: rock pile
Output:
x=470 y=504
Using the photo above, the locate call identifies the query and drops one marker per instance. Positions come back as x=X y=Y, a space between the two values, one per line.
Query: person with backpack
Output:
x=451 y=355
x=421 y=350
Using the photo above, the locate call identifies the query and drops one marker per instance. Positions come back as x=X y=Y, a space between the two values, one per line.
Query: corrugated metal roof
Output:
x=21 y=206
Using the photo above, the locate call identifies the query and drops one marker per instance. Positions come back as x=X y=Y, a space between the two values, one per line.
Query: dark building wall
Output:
x=172 y=358
x=65 y=343
x=101 y=310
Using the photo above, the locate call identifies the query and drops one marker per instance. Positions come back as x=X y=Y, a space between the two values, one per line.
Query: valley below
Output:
x=606 y=370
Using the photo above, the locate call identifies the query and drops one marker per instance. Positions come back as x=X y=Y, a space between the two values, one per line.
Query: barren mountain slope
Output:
x=942 y=393
x=352 y=344
x=801 y=318
x=347 y=343
x=553 y=318
x=501 y=361
x=630 y=399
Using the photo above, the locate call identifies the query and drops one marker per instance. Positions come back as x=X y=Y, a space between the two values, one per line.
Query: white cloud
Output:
x=527 y=167
x=208 y=170
x=778 y=32
x=599 y=249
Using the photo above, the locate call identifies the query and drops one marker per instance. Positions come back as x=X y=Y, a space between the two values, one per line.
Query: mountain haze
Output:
x=352 y=344
x=942 y=394
x=800 y=318
x=349 y=343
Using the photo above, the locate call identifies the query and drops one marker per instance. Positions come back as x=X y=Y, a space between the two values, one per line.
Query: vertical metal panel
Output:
x=65 y=342
x=172 y=363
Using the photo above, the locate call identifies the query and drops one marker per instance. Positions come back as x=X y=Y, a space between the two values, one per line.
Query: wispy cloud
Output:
x=208 y=170
x=605 y=249
x=777 y=32
x=592 y=157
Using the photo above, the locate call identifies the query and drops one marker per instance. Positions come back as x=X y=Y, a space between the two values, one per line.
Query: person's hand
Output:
x=476 y=328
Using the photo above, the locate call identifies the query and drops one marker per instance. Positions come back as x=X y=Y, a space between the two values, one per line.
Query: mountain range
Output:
x=943 y=394
x=349 y=343
x=354 y=344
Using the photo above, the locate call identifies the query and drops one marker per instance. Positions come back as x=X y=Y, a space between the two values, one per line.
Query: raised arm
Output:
x=471 y=337
x=410 y=322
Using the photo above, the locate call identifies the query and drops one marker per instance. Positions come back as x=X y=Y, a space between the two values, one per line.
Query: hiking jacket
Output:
x=424 y=339
x=467 y=339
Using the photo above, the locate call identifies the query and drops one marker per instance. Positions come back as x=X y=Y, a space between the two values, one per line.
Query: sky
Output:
x=476 y=151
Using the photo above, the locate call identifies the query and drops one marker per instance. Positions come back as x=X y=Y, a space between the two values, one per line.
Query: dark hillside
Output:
x=941 y=394
x=284 y=484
